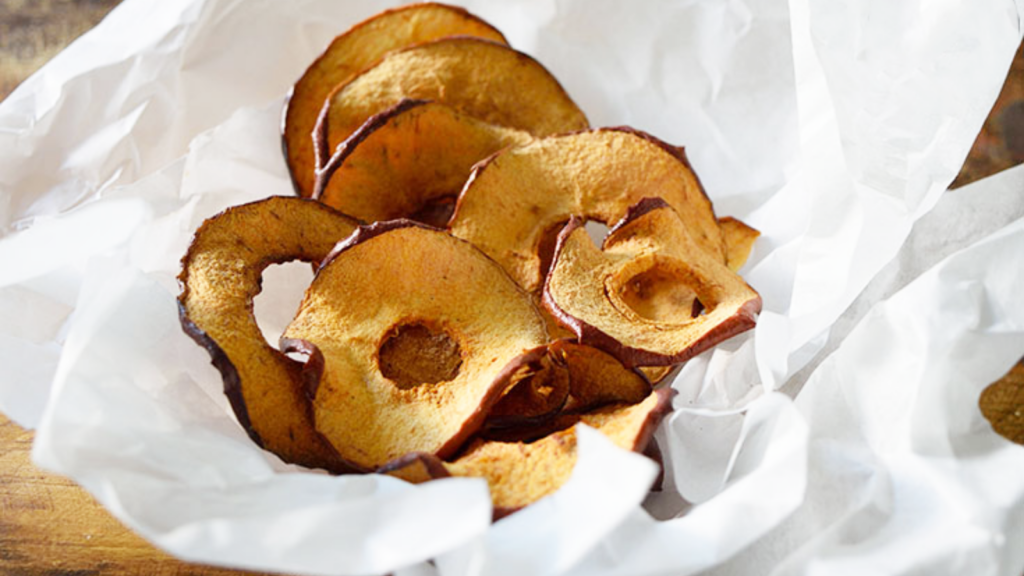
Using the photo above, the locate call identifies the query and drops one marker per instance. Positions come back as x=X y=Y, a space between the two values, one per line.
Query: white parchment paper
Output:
x=840 y=436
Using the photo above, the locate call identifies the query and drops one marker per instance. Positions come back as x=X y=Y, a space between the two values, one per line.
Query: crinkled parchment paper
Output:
x=841 y=436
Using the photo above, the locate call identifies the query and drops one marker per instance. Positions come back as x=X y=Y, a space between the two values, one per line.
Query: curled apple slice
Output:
x=739 y=241
x=220 y=277
x=537 y=391
x=409 y=331
x=597 y=379
x=479 y=78
x=519 y=474
x=351 y=52
x=636 y=298
x=409 y=161
x=560 y=378
x=596 y=175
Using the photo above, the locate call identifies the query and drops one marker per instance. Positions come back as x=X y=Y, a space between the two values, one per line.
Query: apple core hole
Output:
x=661 y=295
x=282 y=288
x=415 y=354
x=597 y=231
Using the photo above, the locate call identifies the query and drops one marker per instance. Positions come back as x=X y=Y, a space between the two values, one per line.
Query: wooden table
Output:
x=49 y=526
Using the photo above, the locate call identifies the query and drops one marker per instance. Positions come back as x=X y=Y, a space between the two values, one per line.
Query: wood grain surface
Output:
x=50 y=527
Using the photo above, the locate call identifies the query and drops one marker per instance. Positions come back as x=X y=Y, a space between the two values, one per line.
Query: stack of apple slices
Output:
x=461 y=321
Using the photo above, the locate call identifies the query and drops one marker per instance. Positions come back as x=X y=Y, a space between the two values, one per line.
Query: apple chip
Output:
x=409 y=161
x=563 y=377
x=537 y=391
x=596 y=174
x=348 y=54
x=739 y=241
x=220 y=277
x=519 y=474
x=409 y=331
x=636 y=298
x=597 y=379
x=479 y=78
x=659 y=374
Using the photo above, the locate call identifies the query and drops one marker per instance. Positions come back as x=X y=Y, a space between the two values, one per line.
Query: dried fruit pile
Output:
x=461 y=321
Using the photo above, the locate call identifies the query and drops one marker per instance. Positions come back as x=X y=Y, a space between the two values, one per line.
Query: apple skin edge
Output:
x=635 y=211
x=679 y=152
x=327 y=163
x=370 y=231
x=228 y=372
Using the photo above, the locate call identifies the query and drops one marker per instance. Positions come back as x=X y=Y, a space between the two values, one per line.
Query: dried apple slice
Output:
x=351 y=52
x=596 y=378
x=519 y=474
x=596 y=175
x=635 y=297
x=739 y=241
x=415 y=328
x=659 y=374
x=409 y=162
x=479 y=78
x=220 y=277
x=537 y=391
x=563 y=377
x=528 y=432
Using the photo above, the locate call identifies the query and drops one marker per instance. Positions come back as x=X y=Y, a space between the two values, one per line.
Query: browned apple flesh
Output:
x=635 y=298
x=659 y=374
x=350 y=53
x=515 y=202
x=478 y=78
x=596 y=378
x=416 y=468
x=739 y=241
x=563 y=377
x=518 y=474
x=416 y=329
x=220 y=277
x=537 y=391
x=413 y=156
